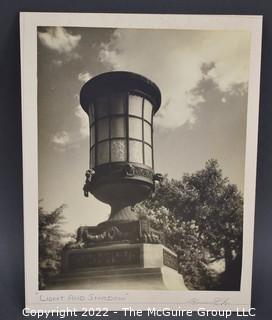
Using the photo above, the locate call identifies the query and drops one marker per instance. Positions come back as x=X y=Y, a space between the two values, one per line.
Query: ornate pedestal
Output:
x=115 y=255
x=120 y=266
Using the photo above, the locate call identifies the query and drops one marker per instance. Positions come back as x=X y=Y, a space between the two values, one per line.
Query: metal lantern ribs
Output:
x=120 y=106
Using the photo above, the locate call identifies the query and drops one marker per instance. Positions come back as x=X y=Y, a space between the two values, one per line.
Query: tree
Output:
x=202 y=218
x=51 y=242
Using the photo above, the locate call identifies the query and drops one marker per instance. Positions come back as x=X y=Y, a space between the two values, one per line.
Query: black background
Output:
x=11 y=203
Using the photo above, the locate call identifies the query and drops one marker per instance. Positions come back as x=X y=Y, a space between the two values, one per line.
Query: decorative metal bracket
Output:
x=158 y=177
x=89 y=174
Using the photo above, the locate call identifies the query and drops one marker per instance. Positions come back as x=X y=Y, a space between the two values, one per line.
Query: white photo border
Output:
x=115 y=299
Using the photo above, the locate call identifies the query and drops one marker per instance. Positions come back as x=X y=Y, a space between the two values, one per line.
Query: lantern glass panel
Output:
x=92 y=158
x=147 y=132
x=118 y=129
x=135 y=106
x=148 y=110
x=135 y=151
x=135 y=128
x=117 y=104
x=101 y=107
x=118 y=150
x=91 y=113
x=92 y=135
x=148 y=155
x=102 y=129
x=102 y=152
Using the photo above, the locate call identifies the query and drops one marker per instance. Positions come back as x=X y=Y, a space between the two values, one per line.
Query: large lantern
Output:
x=123 y=252
x=120 y=106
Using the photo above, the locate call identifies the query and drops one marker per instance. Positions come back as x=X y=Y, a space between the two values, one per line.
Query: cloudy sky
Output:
x=203 y=78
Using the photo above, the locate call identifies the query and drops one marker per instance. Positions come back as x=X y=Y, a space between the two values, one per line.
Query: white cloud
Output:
x=174 y=60
x=108 y=54
x=58 y=62
x=59 y=39
x=84 y=76
x=84 y=121
x=61 y=139
x=64 y=140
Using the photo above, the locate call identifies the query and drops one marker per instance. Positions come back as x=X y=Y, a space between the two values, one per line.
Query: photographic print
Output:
x=139 y=143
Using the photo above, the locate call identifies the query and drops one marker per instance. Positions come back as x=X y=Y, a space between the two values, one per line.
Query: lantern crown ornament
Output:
x=120 y=106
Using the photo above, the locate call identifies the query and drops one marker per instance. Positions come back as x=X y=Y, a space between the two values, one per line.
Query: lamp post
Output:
x=120 y=106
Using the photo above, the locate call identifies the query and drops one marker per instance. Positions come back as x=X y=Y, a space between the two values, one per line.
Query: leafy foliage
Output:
x=201 y=215
x=51 y=242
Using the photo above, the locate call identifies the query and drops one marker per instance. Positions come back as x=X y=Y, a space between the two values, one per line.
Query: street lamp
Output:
x=120 y=106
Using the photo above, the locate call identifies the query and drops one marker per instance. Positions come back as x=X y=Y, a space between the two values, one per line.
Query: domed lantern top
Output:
x=120 y=106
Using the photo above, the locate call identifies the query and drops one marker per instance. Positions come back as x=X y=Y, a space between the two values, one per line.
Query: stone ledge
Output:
x=160 y=278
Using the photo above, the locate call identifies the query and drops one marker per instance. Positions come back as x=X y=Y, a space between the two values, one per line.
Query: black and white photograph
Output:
x=145 y=146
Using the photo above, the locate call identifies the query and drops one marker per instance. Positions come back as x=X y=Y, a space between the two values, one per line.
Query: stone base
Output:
x=120 y=267
x=121 y=279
